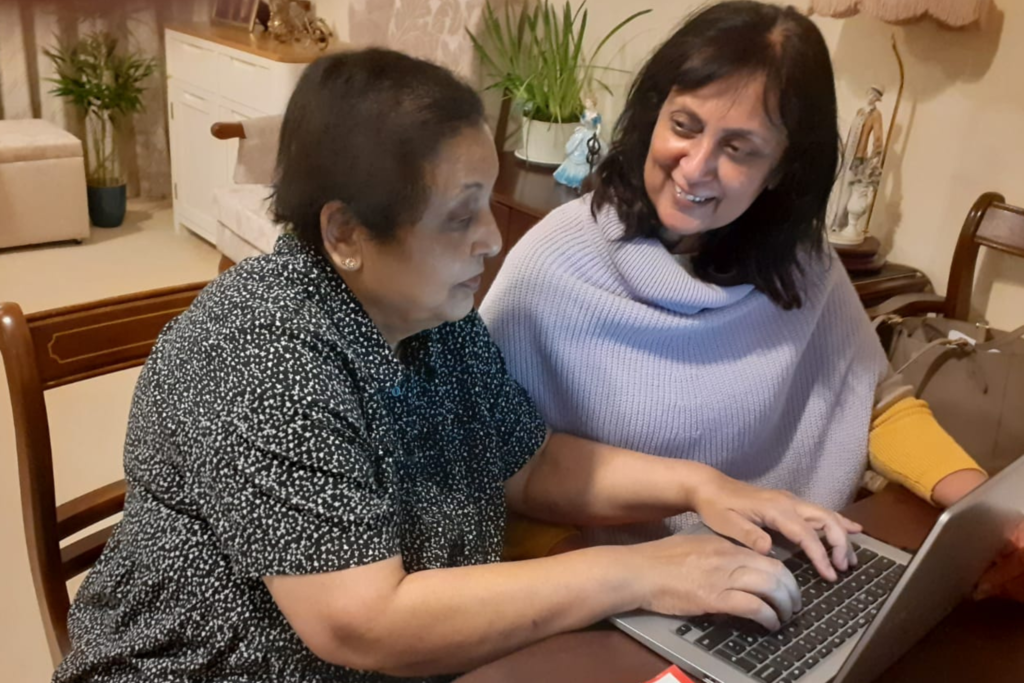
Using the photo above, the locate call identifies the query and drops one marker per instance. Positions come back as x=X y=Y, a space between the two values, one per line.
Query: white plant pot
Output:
x=544 y=143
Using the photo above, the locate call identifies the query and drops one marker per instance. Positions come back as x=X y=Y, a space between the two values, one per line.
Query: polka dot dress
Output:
x=274 y=432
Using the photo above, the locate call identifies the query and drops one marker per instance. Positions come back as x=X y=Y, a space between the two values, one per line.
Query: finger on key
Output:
x=797 y=530
x=837 y=538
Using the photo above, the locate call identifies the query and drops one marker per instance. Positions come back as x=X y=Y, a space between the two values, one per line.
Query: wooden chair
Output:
x=992 y=223
x=45 y=350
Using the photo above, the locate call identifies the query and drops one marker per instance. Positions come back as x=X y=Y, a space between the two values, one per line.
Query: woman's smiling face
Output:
x=712 y=152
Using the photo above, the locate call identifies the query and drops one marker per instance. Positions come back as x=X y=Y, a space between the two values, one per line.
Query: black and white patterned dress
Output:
x=274 y=432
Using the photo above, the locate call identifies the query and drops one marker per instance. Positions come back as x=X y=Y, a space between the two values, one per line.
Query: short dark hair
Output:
x=361 y=128
x=763 y=246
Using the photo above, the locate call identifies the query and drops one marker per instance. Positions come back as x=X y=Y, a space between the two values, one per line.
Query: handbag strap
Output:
x=963 y=344
x=1002 y=340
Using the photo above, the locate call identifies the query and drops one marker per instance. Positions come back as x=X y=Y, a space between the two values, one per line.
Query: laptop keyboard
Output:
x=832 y=614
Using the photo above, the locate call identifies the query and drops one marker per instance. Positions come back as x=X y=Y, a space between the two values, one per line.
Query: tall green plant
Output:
x=105 y=85
x=536 y=56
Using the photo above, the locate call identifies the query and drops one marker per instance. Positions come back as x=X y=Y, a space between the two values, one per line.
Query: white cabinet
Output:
x=214 y=74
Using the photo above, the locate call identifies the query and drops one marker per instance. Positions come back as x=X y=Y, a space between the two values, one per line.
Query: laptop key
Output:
x=768 y=673
x=747 y=665
x=886 y=563
x=805 y=578
x=733 y=647
x=703 y=622
x=797 y=651
x=715 y=637
x=865 y=555
x=795 y=563
x=769 y=645
x=813 y=592
x=758 y=655
x=784 y=661
x=830 y=602
x=796 y=673
x=683 y=629
x=810 y=641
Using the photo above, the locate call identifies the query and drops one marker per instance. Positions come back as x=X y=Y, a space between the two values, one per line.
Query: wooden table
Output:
x=524 y=193
x=978 y=643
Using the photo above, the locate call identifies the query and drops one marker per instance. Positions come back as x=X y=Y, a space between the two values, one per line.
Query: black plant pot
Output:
x=107 y=205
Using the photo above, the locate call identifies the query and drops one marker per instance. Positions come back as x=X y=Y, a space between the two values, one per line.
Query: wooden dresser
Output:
x=219 y=73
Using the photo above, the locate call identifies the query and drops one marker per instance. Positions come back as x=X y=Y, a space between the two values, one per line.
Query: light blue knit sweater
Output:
x=619 y=343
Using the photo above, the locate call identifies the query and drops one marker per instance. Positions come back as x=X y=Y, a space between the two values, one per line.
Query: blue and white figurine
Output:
x=583 y=149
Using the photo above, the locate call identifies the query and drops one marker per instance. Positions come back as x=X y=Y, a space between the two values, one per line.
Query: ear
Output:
x=343 y=236
x=775 y=177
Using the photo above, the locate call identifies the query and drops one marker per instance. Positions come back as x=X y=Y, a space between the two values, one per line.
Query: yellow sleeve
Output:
x=909 y=446
x=527 y=539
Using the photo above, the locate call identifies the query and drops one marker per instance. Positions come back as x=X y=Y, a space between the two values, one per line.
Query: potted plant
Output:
x=538 y=60
x=105 y=85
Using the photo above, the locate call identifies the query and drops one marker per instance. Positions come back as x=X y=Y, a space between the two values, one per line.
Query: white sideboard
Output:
x=218 y=74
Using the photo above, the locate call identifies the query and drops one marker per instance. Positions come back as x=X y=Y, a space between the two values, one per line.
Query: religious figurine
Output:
x=861 y=173
x=583 y=150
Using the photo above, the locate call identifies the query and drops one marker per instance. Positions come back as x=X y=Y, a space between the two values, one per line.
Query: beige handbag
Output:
x=975 y=387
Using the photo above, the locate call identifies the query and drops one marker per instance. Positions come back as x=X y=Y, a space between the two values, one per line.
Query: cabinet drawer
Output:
x=191 y=61
x=246 y=80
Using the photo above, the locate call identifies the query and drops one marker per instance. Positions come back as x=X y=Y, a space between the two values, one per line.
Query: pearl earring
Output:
x=350 y=264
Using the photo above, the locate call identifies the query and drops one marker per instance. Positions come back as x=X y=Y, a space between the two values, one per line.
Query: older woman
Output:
x=690 y=308
x=322 y=448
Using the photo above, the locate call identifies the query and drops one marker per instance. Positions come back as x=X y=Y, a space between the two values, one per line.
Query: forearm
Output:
x=578 y=481
x=452 y=620
x=908 y=446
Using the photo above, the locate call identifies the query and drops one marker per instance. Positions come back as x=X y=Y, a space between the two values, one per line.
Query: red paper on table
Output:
x=671 y=675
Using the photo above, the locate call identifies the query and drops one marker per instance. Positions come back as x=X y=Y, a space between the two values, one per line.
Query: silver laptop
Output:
x=852 y=630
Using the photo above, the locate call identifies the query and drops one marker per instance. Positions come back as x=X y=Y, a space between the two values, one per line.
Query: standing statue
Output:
x=583 y=149
x=861 y=173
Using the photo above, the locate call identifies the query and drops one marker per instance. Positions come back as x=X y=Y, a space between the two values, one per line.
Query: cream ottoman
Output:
x=42 y=184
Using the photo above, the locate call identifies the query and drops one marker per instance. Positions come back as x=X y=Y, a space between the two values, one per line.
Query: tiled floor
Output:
x=87 y=420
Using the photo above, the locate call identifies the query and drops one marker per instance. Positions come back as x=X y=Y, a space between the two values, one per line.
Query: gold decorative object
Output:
x=294 y=21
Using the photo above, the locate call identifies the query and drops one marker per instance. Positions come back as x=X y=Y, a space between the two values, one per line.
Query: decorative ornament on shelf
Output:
x=294 y=21
x=863 y=163
x=583 y=151
x=861 y=172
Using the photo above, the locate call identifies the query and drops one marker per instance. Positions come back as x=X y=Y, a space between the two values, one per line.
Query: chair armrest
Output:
x=228 y=130
x=918 y=303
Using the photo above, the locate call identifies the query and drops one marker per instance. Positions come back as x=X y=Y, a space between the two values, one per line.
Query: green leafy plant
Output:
x=537 y=57
x=106 y=86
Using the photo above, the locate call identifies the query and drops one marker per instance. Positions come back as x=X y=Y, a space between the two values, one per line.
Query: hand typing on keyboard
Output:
x=739 y=511
x=688 y=575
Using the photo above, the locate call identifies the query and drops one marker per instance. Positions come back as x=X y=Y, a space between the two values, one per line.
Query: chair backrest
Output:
x=45 y=350
x=992 y=223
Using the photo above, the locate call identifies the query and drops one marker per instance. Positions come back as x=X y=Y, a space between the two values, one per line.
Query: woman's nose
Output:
x=488 y=243
x=699 y=162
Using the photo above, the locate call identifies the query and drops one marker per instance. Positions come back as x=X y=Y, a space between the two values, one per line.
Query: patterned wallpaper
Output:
x=430 y=29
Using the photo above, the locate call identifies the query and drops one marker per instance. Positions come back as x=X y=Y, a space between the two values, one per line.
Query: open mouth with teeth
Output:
x=696 y=199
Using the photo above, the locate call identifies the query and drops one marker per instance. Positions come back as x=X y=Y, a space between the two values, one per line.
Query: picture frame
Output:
x=238 y=13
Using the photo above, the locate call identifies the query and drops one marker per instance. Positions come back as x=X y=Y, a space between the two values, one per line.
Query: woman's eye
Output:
x=463 y=222
x=681 y=129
